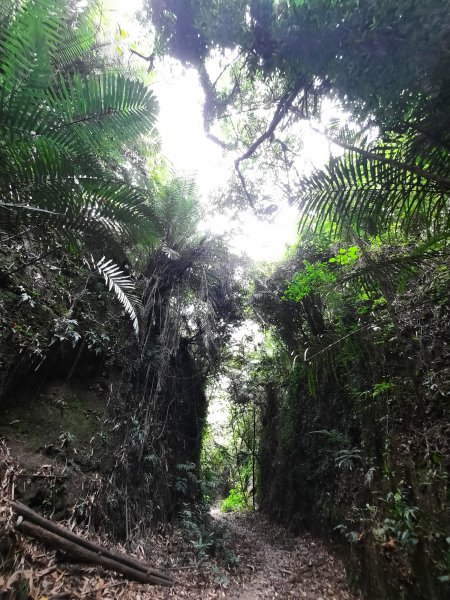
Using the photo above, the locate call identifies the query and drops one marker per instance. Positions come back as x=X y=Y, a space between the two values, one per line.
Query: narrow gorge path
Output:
x=272 y=563
x=276 y=564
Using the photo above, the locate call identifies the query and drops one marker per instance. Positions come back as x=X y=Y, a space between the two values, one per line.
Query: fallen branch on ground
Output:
x=59 y=538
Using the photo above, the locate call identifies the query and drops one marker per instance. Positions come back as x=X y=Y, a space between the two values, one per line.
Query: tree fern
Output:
x=62 y=138
x=178 y=212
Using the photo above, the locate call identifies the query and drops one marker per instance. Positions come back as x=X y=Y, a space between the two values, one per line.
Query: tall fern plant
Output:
x=65 y=131
x=62 y=133
x=391 y=199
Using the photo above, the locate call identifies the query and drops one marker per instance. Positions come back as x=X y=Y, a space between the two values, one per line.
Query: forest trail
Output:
x=273 y=564
x=276 y=564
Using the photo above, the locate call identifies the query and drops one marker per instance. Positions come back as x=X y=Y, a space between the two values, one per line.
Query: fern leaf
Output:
x=29 y=43
x=122 y=285
x=352 y=191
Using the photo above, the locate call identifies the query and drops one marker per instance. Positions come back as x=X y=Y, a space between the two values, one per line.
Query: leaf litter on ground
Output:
x=272 y=562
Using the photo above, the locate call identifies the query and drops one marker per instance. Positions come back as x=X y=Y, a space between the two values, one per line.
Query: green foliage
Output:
x=333 y=437
x=65 y=131
x=122 y=285
x=312 y=279
x=356 y=350
x=71 y=124
x=346 y=256
x=235 y=501
x=379 y=189
x=208 y=539
x=349 y=418
x=384 y=58
x=382 y=388
x=345 y=397
x=402 y=522
x=347 y=458
x=60 y=306
x=187 y=479
x=215 y=467
x=66 y=330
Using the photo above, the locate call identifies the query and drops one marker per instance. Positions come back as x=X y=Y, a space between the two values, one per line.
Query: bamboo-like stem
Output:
x=99 y=551
x=77 y=551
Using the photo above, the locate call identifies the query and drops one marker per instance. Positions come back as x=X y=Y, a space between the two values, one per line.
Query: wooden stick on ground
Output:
x=50 y=526
x=74 y=549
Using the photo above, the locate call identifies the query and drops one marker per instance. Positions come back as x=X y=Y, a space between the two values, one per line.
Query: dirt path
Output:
x=272 y=563
x=275 y=564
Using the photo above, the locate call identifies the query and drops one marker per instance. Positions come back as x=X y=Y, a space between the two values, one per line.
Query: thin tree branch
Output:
x=244 y=187
x=150 y=58
x=282 y=108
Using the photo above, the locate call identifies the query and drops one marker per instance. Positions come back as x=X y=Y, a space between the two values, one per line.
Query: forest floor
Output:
x=277 y=564
x=269 y=561
x=273 y=564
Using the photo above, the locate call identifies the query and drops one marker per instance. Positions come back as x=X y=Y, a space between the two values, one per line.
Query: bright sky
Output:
x=186 y=146
x=180 y=125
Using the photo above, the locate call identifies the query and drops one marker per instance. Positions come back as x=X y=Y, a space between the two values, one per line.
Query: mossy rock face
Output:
x=56 y=439
x=60 y=409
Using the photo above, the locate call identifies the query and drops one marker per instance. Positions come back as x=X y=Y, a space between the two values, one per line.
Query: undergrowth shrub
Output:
x=235 y=501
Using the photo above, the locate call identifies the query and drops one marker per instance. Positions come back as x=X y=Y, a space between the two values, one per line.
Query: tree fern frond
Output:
x=122 y=285
x=357 y=192
x=178 y=212
x=28 y=44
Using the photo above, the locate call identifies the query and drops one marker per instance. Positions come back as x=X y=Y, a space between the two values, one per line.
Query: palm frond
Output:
x=76 y=42
x=122 y=285
x=367 y=194
x=61 y=144
x=98 y=110
x=29 y=43
x=112 y=211
x=393 y=268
